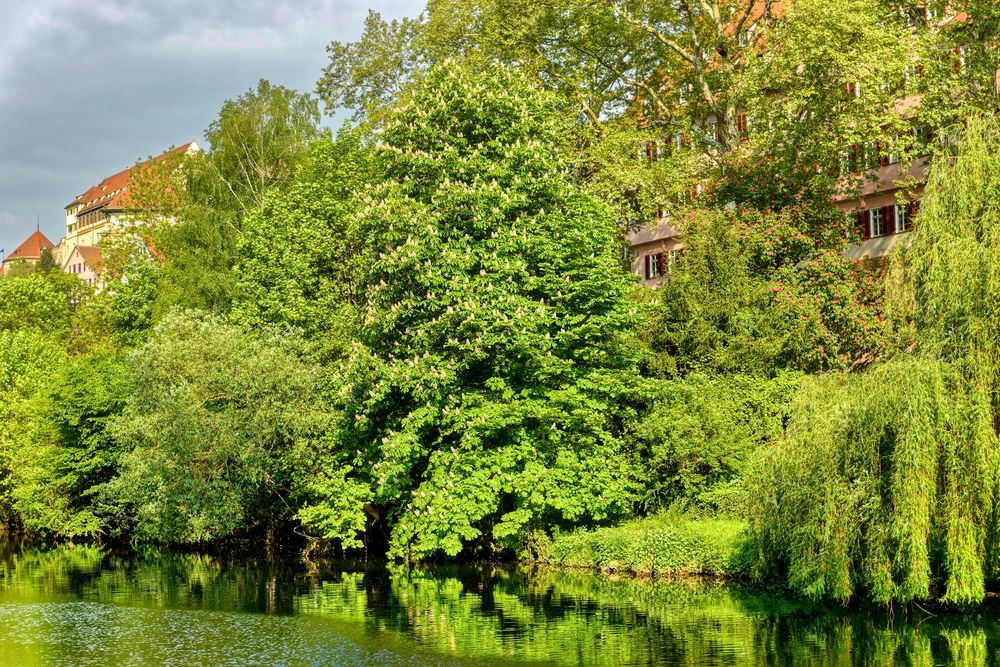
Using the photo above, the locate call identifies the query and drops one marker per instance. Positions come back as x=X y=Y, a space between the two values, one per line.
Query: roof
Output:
x=91 y=255
x=655 y=231
x=113 y=190
x=31 y=248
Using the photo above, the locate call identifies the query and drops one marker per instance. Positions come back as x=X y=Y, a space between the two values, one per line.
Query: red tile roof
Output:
x=113 y=190
x=31 y=248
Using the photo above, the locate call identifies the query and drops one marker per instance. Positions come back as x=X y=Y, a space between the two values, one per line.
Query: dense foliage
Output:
x=419 y=336
x=486 y=392
x=886 y=484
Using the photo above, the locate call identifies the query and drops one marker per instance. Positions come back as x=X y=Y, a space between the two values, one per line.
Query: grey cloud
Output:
x=88 y=87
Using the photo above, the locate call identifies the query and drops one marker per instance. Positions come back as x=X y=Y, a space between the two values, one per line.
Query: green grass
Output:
x=664 y=545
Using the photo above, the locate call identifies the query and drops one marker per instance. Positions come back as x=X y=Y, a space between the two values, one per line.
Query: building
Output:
x=92 y=214
x=86 y=263
x=29 y=252
x=883 y=206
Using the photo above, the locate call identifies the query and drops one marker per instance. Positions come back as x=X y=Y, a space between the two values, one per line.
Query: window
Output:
x=893 y=156
x=653 y=151
x=902 y=218
x=912 y=18
x=921 y=139
x=682 y=93
x=877 y=221
x=913 y=72
x=861 y=224
x=741 y=124
x=678 y=140
x=853 y=89
x=964 y=52
x=654 y=265
x=845 y=162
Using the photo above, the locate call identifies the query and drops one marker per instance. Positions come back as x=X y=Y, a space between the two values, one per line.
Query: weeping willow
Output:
x=886 y=483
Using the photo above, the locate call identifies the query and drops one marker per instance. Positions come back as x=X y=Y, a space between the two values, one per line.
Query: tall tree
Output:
x=486 y=396
x=301 y=254
x=256 y=142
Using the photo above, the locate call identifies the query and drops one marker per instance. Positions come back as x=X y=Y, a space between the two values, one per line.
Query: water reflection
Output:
x=85 y=606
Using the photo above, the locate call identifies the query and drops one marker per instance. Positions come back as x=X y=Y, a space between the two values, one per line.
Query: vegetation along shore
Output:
x=637 y=287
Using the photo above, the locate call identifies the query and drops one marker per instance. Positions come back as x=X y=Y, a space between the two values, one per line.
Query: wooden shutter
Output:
x=659 y=264
x=645 y=267
x=889 y=219
x=741 y=124
x=863 y=220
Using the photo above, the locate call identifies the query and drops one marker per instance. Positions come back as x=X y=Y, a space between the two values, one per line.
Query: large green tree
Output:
x=488 y=388
x=301 y=254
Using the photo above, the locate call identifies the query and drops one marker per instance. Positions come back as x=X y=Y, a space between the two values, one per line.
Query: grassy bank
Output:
x=666 y=545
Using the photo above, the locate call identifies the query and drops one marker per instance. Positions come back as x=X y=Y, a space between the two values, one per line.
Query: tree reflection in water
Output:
x=487 y=614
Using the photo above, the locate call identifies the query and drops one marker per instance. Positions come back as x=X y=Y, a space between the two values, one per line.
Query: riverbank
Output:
x=664 y=545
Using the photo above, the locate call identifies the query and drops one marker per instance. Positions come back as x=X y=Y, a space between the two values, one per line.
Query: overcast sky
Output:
x=89 y=86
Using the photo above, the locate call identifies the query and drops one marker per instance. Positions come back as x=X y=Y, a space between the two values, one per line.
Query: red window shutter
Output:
x=741 y=123
x=883 y=159
x=866 y=228
x=889 y=219
x=659 y=263
x=645 y=266
x=913 y=208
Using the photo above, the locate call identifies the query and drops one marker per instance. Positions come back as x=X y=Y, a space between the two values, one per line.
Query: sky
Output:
x=88 y=87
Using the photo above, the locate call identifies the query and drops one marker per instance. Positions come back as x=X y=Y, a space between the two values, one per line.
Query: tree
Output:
x=46 y=262
x=886 y=483
x=958 y=56
x=301 y=255
x=256 y=142
x=44 y=302
x=64 y=454
x=369 y=74
x=187 y=211
x=28 y=360
x=488 y=390
x=697 y=437
x=212 y=421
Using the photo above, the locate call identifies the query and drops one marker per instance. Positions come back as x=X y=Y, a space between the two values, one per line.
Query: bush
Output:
x=698 y=437
x=663 y=545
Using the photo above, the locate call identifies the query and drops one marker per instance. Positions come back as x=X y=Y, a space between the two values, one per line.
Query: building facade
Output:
x=98 y=210
x=87 y=264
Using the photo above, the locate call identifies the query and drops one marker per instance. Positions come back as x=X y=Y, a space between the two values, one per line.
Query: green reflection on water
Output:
x=84 y=606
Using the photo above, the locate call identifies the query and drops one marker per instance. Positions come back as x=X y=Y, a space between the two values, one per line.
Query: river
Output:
x=84 y=606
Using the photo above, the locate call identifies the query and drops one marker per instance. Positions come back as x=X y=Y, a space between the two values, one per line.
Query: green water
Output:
x=84 y=606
